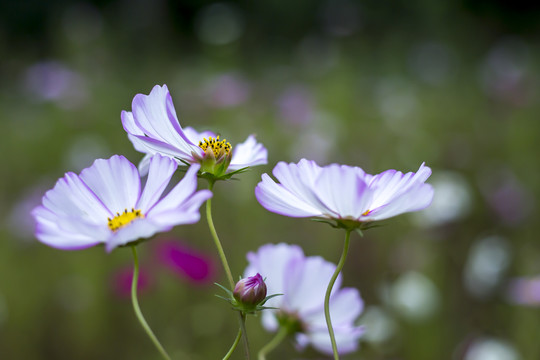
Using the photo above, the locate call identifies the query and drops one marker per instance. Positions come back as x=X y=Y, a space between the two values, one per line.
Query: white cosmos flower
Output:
x=343 y=193
x=105 y=204
x=302 y=281
x=153 y=127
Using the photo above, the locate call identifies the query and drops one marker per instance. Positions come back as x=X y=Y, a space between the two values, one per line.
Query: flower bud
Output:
x=250 y=291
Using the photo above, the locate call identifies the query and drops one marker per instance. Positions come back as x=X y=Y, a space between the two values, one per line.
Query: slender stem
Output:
x=243 y=328
x=216 y=238
x=329 y=291
x=225 y=264
x=137 y=309
x=281 y=334
x=234 y=345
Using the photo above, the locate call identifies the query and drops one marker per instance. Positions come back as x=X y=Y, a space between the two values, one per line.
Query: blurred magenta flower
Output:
x=153 y=127
x=104 y=204
x=188 y=263
x=227 y=90
x=343 y=193
x=250 y=290
x=302 y=281
x=122 y=278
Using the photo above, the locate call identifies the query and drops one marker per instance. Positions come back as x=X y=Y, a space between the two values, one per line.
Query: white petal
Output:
x=276 y=198
x=346 y=339
x=160 y=171
x=180 y=193
x=194 y=136
x=137 y=229
x=306 y=290
x=49 y=232
x=343 y=191
x=248 y=153
x=185 y=213
x=156 y=117
x=416 y=198
x=115 y=181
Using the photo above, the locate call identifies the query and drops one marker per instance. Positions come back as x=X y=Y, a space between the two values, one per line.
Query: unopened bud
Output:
x=250 y=291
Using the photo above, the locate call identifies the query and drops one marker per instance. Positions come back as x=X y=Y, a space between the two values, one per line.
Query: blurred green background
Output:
x=373 y=84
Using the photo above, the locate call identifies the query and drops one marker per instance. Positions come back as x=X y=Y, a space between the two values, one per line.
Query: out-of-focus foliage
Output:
x=373 y=84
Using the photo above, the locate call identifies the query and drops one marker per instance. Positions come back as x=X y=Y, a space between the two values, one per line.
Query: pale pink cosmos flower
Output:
x=302 y=281
x=153 y=127
x=343 y=193
x=105 y=204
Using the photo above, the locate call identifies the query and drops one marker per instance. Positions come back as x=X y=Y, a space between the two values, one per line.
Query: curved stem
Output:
x=225 y=264
x=234 y=345
x=137 y=309
x=329 y=291
x=216 y=238
x=281 y=334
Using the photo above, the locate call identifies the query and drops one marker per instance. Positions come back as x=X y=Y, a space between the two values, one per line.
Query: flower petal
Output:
x=276 y=198
x=343 y=191
x=138 y=229
x=248 y=153
x=416 y=198
x=115 y=181
x=161 y=169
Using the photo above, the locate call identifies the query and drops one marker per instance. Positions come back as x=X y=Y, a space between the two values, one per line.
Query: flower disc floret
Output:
x=92 y=208
x=153 y=127
x=344 y=194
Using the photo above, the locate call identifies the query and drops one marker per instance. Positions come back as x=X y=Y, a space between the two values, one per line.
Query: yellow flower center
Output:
x=218 y=147
x=123 y=219
x=366 y=213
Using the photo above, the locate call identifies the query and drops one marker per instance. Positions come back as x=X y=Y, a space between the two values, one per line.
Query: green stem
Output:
x=329 y=291
x=234 y=345
x=281 y=334
x=216 y=238
x=243 y=329
x=225 y=264
x=137 y=309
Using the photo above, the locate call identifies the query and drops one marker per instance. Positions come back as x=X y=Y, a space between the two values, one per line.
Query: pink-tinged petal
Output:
x=161 y=169
x=150 y=145
x=136 y=230
x=49 y=232
x=115 y=181
x=194 y=136
x=309 y=286
x=185 y=213
x=71 y=196
x=155 y=115
x=144 y=165
x=248 y=153
x=343 y=191
x=180 y=193
x=299 y=179
x=417 y=198
x=128 y=123
x=276 y=198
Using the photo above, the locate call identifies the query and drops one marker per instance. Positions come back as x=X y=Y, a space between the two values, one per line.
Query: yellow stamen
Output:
x=125 y=218
x=366 y=213
x=218 y=147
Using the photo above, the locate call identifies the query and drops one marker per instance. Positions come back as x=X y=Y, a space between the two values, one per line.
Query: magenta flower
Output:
x=250 y=291
x=153 y=127
x=188 y=263
x=343 y=193
x=105 y=205
x=302 y=281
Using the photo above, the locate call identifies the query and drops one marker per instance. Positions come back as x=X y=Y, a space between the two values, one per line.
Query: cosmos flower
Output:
x=153 y=127
x=302 y=281
x=343 y=193
x=105 y=205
